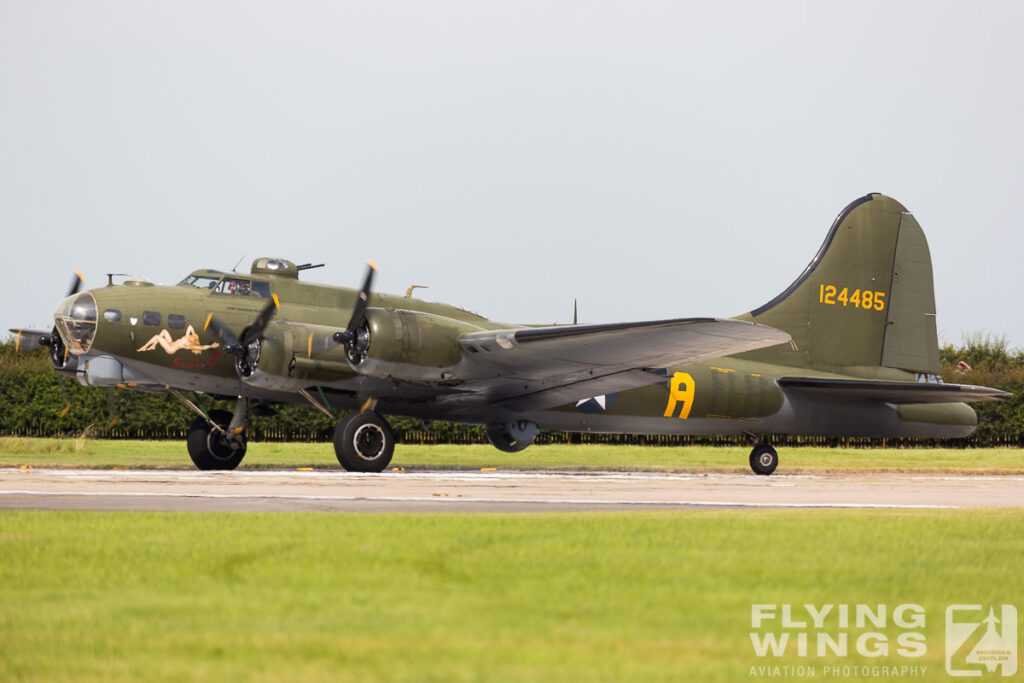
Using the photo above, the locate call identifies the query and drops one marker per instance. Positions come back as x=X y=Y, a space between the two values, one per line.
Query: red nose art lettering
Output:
x=191 y=363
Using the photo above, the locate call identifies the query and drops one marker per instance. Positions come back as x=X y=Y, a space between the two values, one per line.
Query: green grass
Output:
x=18 y=452
x=607 y=596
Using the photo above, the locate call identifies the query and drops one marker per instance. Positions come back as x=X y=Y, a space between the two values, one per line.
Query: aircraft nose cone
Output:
x=75 y=319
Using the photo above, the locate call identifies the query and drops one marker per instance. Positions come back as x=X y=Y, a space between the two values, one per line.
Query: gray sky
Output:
x=652 y=159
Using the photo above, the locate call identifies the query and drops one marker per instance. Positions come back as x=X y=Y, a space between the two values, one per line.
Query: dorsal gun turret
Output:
x=280 y=267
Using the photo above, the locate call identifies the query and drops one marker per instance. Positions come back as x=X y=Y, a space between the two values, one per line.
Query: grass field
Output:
x=605 y=596
x=17 y=452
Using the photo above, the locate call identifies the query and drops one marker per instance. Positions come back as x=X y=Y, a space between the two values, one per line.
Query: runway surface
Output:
x=483 y=491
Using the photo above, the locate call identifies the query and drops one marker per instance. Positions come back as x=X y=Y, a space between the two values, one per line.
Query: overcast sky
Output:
x=651 y=159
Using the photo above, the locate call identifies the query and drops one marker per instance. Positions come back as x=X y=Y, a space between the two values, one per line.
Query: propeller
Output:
x=52 y=339
x=48 y=338
x=76 y=284
x=356 y=337
x=58 y=352
x=246 y=348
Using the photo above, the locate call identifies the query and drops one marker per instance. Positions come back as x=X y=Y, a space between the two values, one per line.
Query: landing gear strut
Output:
x=364 y=442
x=216 y=441
x=763 y=459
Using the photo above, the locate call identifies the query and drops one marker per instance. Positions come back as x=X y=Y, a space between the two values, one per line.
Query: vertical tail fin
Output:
x=866 y=300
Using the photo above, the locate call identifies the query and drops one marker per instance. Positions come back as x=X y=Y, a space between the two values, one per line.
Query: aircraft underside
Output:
x=647 y=412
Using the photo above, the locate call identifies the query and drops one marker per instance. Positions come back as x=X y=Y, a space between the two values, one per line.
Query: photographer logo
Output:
x=980 y=641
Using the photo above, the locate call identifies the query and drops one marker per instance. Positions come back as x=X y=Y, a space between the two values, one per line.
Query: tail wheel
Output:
x=212 y=449
x=364 y=442
x=763 y=459
x=512 y=437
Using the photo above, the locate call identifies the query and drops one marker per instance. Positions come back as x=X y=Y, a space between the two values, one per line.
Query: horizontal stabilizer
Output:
x=892 y=392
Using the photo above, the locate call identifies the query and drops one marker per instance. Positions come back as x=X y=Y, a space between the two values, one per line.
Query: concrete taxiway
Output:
x=472 y=491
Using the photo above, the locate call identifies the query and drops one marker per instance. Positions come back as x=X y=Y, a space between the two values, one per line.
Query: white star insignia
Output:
x=600 y=400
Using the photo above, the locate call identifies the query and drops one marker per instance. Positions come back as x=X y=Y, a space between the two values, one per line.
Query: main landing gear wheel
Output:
x=763 y=459
x=364 y=442
x=212 y=449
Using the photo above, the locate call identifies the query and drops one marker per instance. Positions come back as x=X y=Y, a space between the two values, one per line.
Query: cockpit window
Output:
x=200 y=281
x=233 y=285
x=261 y=289
x=228 y=285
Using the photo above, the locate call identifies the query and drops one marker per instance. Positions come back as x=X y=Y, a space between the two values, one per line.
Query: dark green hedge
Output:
x=39 y=402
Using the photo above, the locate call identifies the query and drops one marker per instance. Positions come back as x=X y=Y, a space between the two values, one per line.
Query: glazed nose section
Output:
x=75 y=319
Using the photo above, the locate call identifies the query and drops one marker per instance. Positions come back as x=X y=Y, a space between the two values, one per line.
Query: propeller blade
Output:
x=363 y=301
x=224 y=333
x=255 y=330
x=76 y=284
x=348 y=335
x=234 y=345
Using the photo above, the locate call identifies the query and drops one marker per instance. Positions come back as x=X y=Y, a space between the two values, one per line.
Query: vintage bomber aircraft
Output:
x=849 y=349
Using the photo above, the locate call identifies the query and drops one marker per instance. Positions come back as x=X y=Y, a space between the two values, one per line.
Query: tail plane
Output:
x=866 y=300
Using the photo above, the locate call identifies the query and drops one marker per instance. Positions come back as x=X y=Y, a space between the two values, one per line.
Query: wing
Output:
x=542 y=367
x=28 y=339
x=892 y=392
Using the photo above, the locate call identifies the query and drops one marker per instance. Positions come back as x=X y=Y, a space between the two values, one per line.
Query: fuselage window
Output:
x=176 y=322
x=112 y=315
x=230 y=285
x=150 y=318
x=261 y=289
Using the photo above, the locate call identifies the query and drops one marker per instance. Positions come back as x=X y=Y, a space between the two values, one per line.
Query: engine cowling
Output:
x=293 y=355
x=398 y=344
x=411 y=345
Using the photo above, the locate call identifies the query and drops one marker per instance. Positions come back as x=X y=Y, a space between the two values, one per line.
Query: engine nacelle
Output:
x=292 y=355
x=398 y=344
x=411 y=345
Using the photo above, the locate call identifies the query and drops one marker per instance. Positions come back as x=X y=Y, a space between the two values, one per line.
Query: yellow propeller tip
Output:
x=79 y=274
x=372 y=264
x=277 y=304
x=208 y=319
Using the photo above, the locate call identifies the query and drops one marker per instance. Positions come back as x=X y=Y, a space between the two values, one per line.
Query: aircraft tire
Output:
x=208 y=450
x=364 y=442
x=498 y=437
x=764 y=459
